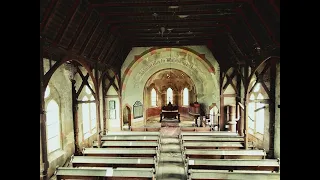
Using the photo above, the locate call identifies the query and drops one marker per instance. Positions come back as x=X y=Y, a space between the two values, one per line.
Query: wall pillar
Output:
x=272 y=107
x=104 y=110
x=97 y=106
x=44 y=164
x=75 y=118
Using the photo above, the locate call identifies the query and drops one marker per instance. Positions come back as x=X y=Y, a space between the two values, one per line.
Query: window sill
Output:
x=55 y=155
x=88 y=135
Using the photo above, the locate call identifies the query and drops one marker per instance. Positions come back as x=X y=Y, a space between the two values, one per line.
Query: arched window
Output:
x=53 y=126
x=169 y=96
x=93 y=115
x=259 y=115
x=85 y=117
x=251 y=114
x=185 y=97
x=153 y=97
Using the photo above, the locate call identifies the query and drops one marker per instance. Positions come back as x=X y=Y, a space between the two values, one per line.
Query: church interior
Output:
x=159 y=89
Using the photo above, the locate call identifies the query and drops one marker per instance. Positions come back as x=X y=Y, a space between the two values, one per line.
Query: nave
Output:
x=171 y=153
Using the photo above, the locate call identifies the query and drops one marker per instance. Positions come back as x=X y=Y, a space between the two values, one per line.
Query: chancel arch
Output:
x=137 y=69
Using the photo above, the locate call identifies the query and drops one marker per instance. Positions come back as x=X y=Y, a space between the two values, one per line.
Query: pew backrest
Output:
x=106 y=173
x=128 y=144
x=234 y=164
x=213 y=174
x=212 y=139
x=130 y=138
x=121 y=152
x=224 y=154
x=211 y=145
x=133 y=133
x=96 y=161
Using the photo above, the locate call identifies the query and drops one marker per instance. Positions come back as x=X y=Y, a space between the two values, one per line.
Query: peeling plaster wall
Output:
x=134 y=79
x=277 y=119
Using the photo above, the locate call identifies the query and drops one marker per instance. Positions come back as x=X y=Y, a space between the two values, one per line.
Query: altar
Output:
x=170 y=112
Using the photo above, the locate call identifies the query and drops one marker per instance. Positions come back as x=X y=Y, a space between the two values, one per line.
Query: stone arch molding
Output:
x=140 y=68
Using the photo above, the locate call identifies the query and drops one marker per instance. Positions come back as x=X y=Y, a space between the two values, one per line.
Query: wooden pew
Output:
x=143 y=129
x=133 y=133
x=130 y=138
x=127 y=144
x=234 y=164
x=115 y=162
x=224 y=154
x=105 y=173
x=210 y=133
x=211 y=145
x=139 y=129
x=121 y=152
x=214 y=174
x=195 y=129
x=212 y=139
x=153 y=129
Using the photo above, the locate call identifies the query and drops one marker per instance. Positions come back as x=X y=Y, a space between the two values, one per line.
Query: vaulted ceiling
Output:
x=104 y=31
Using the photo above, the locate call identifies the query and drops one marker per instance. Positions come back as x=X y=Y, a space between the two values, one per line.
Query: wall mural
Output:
x=137 y=110
x=188 y=61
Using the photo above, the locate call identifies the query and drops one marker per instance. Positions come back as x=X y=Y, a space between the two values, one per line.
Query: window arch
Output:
x=185 y=97
x=169 y=95
x=260 y=115
x=53 y=126
x=153 y=97
x=251 y=114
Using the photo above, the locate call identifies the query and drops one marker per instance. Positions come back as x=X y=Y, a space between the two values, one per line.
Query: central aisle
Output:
x=171 y=165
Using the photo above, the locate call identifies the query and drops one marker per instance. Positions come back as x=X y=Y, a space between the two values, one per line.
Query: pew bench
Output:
x=212 y=139
x=104 y=173
x=144 y=129
x=214 y=174
x=211 y=145
x=209 y=133
x=272 y=165
x=115 y=162
x=121 y=152
x=130 y=138
x=127 y=144
x=195 y=129
x=224 y=154
x=132 y=133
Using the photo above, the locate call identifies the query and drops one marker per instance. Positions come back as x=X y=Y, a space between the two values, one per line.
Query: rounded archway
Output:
x=141 y=64
x=156 y=91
